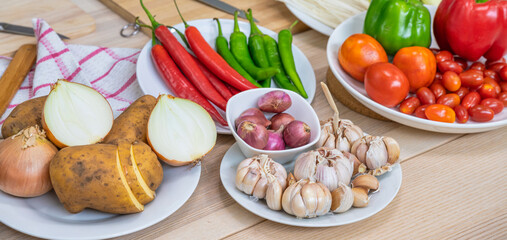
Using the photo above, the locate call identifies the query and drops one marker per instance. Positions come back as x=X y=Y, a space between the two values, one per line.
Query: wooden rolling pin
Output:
x=15 y=73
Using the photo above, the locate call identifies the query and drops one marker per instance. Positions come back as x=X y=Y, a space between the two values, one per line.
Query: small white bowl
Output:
x=300 y=109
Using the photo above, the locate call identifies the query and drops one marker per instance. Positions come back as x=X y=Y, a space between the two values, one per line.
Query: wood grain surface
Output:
x=453 y=185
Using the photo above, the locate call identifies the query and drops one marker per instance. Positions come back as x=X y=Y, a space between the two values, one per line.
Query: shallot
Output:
x=275 y=101
x=275 y=140
x=253 y=134
x=253 y=115
x=296 y=134
x=281 y=119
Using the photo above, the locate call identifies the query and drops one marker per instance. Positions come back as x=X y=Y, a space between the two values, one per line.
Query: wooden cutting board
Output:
x=270 y=13
x=63 y=15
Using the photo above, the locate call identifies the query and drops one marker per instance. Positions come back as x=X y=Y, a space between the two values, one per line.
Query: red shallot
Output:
x=253 y=134
x=296 y=134
x=281 y=119
x=275 y=140
x=275 y=102
x=253 y=115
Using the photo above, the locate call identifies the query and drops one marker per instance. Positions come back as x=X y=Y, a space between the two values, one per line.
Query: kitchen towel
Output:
x=110 y=71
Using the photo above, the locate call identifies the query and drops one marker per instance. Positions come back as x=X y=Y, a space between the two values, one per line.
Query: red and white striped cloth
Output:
x=111 y=71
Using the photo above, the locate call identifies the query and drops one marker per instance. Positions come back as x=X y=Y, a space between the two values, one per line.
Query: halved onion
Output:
x=180 y=131
x=75 y=114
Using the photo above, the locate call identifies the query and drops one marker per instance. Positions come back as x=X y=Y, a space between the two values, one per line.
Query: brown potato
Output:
x=24 y=115
x=148 y=164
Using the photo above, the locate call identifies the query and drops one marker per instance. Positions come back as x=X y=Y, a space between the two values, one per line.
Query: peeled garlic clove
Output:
x=343 y=198
x=274 y=194
x=393 y=149
x=361 y=198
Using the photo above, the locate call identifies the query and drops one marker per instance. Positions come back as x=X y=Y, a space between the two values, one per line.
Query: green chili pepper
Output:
x=239 y=49
x=274 y=61
x=285 y=49
x=256 y=46
x=223 y=49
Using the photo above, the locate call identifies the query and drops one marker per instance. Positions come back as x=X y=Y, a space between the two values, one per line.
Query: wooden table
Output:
x=454 y=186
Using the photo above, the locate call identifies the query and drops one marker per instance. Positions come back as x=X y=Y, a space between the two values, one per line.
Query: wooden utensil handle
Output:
x=15 y=73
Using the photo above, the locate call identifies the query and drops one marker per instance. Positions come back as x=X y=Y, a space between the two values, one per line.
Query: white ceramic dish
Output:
x=151 y=83
x=390 y=184
x=45 y=217
x=300 y=109
x=310 y=21
x=356 y=89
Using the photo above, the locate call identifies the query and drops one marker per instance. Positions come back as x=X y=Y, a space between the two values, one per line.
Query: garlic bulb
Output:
x=328 y=166
x=339 y=133
x=306 y=199
x=24 y=163
x=262 y=177
x=378 y=153
x=343 y=198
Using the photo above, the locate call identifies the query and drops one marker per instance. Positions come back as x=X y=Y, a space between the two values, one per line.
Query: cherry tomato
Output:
x=503 y=74
x=492 y=74
x=443 y=56
x=480 y=113
x=462 y=62
x=470 y=100
x=497 y=66
x=449 y=66
x=437 y=89
x=426 y=95
x=450 y=99
x=358 y=52
x=438 y=77
x=502 y=97
x=418 y=64
x=503 y=86
x=440 y=113
x=487 y=91
x=409 y=105
x=478 y=66
x=493 y=83
x=419 y=112
x=493 y=103
x=462 y=91
x=386 y=84
x=451 y=81
x=489 y=63
x=471 y=78
x=461 y=114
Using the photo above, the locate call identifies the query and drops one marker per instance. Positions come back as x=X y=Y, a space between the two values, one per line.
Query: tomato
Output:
x=471 y=78
x=478 y=66
x=502 y=97
x=418 y=64
x=480 y=113
x=450 y=99
x=461 y=114
x=440 y=113
x=438 y=77
x=489 y=63
x=437 y=89
x=496 y=67
x=451 y=81
x=503 y=74
x=462 y=91
x=493 y=83
x=493 y=103
x=462 y=62
x=409 y=105
x=470 y=100
x=386 y=84
x=358 y=52
x=419 y=112
x=492 y=74
x=425 y=95
x=503 y=86
x=449 y=66
x=443 y=56
x=487 y=91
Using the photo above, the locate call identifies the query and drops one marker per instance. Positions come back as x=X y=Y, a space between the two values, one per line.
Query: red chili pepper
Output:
x=217 y=83
x=234 y=91
x=178 y=84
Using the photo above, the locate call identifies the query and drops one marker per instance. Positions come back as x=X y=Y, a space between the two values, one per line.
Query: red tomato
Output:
x=492 y=74
x=489 y=63
x=503 y=74
x=470 y=100
x=480 y=113
x=496 y=66
x=437 y=89
x=451 y=81
x=386 y=84
x=471 y=78
x=418 y=64
x=462 y=91
x=502 y=97
x=440 y=113
x=451 y=99
x=438 y=77
x=461 y=114
x=426 y=95
x=462 y=62
x=449 y=66
x=478 y=66
x=419 y=112
x=503 y=86
x=409 y=105
x=493 y=103
x=493 y=83
x=487 y=91
x=443 y=56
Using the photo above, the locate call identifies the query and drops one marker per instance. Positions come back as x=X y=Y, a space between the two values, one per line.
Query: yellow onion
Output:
x=24 y=163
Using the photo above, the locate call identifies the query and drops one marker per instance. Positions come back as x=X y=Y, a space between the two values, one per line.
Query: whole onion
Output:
x=274 y=102
x=296 y=134
x=253 y=115
x=275 y=140
x=253 y=134
x=281 y=119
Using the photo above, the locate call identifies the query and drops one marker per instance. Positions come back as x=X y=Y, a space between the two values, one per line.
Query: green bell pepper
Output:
x=398 y=23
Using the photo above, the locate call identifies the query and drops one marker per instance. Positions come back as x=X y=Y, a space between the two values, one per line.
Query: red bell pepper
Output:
x=472 y=28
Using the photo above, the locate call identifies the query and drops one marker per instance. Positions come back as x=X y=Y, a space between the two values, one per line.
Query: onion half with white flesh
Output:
x=75 y=114
x=180 y=131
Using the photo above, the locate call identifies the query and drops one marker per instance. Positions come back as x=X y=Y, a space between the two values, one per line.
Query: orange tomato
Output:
x=386 y=84
x=440 y=113
x=418 y=64
x=358 y=52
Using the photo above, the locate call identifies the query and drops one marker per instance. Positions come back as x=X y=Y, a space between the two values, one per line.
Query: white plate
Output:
x=45 y=216
x=151 y=83
x=389 y=185
x=310 y=21
x=356 y=88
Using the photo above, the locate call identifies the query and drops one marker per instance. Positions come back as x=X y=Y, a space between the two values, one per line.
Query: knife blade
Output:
x=225 y=7
x=21 y=30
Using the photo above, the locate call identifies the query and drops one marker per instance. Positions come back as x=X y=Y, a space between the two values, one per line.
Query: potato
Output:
x=131 y=125
x=151 y=170
x=24 y=115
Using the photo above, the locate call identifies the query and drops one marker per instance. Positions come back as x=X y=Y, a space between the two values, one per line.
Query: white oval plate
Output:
x=310 y=21
x=45 y=217
x=356 y=88
x=151 y=83
x=390 y=183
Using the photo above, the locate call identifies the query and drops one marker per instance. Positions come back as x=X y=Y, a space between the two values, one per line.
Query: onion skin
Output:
x=275 y=140
x=296 y=134
x=274 y=102
x=281 y=119
x=253 y=134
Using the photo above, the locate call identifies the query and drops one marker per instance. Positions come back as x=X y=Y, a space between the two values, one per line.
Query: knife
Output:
x=225 y=7
x=21 y=30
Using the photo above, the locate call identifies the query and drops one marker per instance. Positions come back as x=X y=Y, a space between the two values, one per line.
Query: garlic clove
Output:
x=353 y=132
x=367 y=182
x=274 y=194
x=361 y=198
x=305 y=165
x=344 y=168
x=260 y=188
x=342 y=199
x=245 y=163
x=310 y=193
x=327 y=175
x=250 y=180
x=359 y=148
x=280 y=174
x=342 y=143
x=298 y=206
x=376 y=156
x=324 y=200
x=393 y=149
x=240 y=175
x=287 y=196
